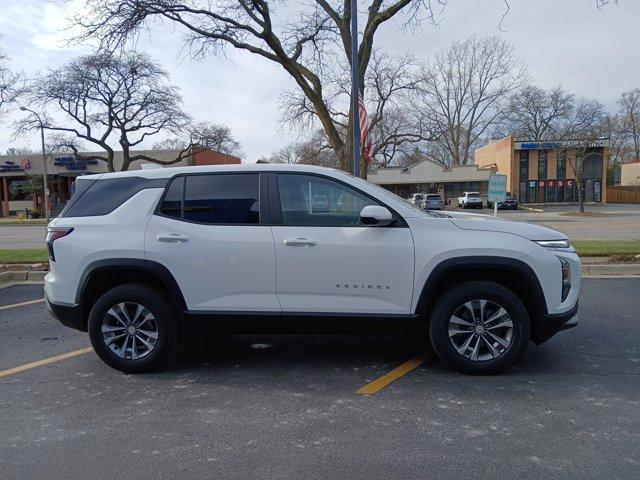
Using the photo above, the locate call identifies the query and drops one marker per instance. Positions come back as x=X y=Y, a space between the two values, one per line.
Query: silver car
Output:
x=433 y=201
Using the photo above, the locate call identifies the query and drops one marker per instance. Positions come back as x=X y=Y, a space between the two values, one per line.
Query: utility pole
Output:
x=45 y=185
x=355 y=88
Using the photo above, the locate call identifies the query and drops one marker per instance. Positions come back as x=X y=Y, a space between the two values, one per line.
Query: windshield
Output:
x=433 y=197
x=473 y=195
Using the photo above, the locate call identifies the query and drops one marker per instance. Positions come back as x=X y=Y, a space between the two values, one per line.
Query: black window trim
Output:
x=276 y=211
x=263 y=214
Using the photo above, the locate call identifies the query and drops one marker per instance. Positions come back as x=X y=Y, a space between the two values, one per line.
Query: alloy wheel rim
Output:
x=130 y=330
x=481 y=330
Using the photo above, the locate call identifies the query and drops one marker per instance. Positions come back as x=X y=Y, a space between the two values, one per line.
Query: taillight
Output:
x=53 y=234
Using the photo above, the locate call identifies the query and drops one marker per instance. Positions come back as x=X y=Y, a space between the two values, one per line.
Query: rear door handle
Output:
x=299 y=242
x=172 y=238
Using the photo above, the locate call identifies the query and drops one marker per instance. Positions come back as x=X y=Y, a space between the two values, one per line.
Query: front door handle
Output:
x=172 y=238
x=299 y=242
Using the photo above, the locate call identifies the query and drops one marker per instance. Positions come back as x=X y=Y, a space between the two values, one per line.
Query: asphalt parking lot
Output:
x=270 y=407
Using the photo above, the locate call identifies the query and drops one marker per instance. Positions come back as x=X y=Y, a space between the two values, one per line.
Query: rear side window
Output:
x=216 y=199
x=104 y=196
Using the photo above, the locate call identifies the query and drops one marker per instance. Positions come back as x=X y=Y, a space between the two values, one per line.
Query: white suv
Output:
x=139 y=258
x=470 y=200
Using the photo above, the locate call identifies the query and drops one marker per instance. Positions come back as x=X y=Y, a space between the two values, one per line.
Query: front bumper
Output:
x=69 y=315
x=549 y=325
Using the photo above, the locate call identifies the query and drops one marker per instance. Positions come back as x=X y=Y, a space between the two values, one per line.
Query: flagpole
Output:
x=355 y=88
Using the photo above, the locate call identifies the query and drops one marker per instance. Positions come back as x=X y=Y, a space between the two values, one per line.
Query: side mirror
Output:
x=376 y=215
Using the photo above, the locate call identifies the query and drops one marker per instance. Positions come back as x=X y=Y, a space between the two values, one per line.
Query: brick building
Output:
x=543 y=171
x=64 y=168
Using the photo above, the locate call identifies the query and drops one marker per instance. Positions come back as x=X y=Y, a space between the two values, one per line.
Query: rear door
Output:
x=327 y=262
x=212 y=232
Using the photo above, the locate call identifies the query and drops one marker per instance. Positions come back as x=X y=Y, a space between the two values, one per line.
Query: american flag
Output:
x=364 y=130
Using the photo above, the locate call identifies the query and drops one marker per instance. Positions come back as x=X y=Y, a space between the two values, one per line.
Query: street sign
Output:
x=497 y=188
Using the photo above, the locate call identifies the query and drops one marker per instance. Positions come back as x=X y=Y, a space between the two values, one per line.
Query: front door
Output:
x=327 y=261
x=212 y=233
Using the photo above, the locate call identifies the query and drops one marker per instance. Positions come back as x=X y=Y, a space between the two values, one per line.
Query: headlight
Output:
x=566 y=278
x=554 y=243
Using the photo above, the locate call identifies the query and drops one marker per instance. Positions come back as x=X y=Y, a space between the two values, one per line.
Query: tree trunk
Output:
x=110 y=161
x=580 y=195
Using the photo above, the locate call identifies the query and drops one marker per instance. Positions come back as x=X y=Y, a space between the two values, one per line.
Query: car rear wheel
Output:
x=133 y=328
x=479 y=328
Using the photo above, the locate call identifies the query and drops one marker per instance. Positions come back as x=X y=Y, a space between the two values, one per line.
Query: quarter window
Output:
x=307 y=200
x=172 y=203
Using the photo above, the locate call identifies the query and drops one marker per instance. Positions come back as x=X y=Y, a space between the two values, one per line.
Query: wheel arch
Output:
x=102 y=275
x=511 y=273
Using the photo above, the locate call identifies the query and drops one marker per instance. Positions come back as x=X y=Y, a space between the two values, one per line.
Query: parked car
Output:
x=470 y=200
x=417 y=200
x=433 y=201
x=510 y=203
x=141 y=258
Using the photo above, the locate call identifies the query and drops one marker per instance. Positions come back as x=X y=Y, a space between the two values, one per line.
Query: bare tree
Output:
x=463 y=91
x=106 y=100
x=312 y=151
x=581 y=152
x=535 y=113
x=393 y=127
x=201 y=136
x=629 y=120
x=11 y=84
x=304 y=39
x=20 y=151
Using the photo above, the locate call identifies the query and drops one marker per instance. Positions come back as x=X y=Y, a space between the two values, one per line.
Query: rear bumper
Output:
x=68 y=315
x=549 y=325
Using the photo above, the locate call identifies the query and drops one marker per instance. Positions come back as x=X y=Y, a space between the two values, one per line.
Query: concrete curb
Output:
x=8 y=279
x=611 y=270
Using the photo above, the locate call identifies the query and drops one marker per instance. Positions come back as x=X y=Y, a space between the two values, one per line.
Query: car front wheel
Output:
x=133 y=328
x=479 y=328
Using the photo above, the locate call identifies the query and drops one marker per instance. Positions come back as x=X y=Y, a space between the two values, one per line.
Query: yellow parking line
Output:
x=30 y=302
x=398 y=372
x=46 y=361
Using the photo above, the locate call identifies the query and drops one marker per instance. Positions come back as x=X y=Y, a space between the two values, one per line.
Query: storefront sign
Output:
x=564 y=144
x=8 y=166
x=25 y=164
x=73 y=164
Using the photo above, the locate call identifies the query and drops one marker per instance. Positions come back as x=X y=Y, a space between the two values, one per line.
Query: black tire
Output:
x=455 y=298
x=165 y=320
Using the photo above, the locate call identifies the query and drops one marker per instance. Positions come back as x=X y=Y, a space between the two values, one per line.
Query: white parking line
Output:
x=30 y=302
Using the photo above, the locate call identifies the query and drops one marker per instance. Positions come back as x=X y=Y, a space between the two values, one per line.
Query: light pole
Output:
x=355 y=87
x=45 y=185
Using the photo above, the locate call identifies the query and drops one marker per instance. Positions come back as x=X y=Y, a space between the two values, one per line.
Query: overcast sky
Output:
x=591 y=52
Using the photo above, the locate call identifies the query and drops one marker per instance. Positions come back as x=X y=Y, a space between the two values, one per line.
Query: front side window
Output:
x=307 y=200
